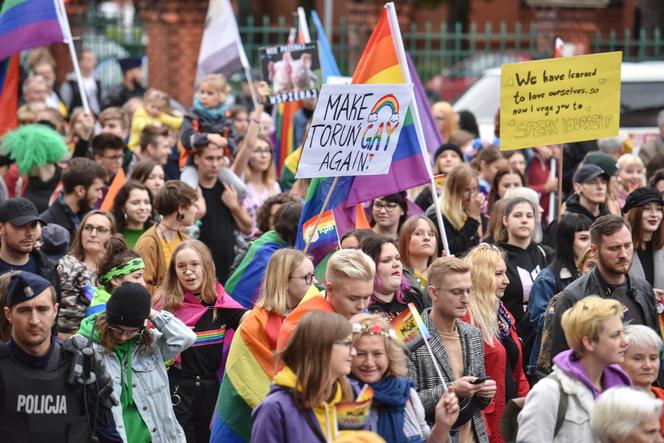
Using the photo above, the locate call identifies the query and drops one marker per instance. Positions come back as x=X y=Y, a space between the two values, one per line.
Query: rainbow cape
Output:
x=249 y=370
x=26 y=24
x=244 y=285
x=379 y=64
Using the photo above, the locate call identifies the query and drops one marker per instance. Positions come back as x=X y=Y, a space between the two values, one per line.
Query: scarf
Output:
x=505 y=323
x=390 y=397
x=214 y=114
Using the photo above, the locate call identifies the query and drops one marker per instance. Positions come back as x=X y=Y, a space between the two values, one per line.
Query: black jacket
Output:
x=572 y=206
x=61 y=214
x=593 y=284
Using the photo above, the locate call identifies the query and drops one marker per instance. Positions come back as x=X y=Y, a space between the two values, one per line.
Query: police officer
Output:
x=46 y=392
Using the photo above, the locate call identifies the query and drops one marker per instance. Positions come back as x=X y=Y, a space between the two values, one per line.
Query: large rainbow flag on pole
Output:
x=382 y=62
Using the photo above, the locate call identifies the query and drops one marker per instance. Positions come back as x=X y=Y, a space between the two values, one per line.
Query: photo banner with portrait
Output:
x=293 y=71
x=355 y=130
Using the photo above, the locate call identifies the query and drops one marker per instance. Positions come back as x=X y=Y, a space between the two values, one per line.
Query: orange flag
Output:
x=118 y=182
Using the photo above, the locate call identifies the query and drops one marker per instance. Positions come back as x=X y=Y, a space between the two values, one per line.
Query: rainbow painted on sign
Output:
x=387 y=100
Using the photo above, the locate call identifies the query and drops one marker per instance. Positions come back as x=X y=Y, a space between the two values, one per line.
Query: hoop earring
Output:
x=180 y=216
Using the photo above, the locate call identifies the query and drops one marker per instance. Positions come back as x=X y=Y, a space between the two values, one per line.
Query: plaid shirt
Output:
x=422 y=371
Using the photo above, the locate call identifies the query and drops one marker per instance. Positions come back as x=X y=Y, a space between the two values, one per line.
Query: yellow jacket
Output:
x=141 y=119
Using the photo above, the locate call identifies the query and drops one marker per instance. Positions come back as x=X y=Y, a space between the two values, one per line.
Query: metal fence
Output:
x=432 y=47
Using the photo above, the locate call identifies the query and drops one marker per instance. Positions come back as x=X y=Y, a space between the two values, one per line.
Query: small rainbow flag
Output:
x=326 y=235
x=410 y=328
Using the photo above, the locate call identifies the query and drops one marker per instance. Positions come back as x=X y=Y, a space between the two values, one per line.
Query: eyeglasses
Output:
x=347 y=342
x=116 y=158
x=192 y=267
x=99 y=229
x=388 y=207
x=308 y=279
x=122 y=332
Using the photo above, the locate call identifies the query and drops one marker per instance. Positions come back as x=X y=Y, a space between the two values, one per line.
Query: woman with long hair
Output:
x=418 y=247
x=135 y=356
x=78 y=269
x=487 y=163
x=120 y=264
x=300 y=404
x=250 y=362
x=447 y=121
x=643 y=211
x=176 y=203
x=192 y=293
x=397 y=413
x=461 y=204
x=505 y=179
x=392 y=289
x=502 y=347
x=132 y=209
x=151 y=174
x=573 y=238
x=593 y=329
x=388 y=213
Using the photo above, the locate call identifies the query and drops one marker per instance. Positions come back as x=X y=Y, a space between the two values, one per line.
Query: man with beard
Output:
x=131 y=86
x=20 y=229
x=82 y=187
x=611 y=239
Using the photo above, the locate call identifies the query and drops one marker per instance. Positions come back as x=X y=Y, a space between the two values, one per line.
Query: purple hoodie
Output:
x=613 y=375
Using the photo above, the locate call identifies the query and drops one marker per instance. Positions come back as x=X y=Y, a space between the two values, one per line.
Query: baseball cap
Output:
x=587 y=173
x=19 y=212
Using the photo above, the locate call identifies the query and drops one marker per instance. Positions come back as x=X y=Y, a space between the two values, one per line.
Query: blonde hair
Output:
x=350 y=263
x=217 y=82
x=274 y=294
x=451 y=122
x=443 y=266
x=586 y=319
x=483 y=304
x=451 y=199
x=395 y=353
x=626 y=160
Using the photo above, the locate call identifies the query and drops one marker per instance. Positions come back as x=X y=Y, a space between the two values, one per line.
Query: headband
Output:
x=122 y=270
x=376 y=329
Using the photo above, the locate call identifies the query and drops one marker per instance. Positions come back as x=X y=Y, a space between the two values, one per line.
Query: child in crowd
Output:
x=154 y=110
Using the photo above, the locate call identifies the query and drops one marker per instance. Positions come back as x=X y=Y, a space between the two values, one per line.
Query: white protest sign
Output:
x=355 y=130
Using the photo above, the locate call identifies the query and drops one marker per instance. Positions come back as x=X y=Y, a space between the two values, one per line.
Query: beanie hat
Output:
x=129 y=306
x=448 y=147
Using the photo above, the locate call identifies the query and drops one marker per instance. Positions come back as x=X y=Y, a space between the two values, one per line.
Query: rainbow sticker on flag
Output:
x=354 y=415
x=326 y=232
x=410 y=328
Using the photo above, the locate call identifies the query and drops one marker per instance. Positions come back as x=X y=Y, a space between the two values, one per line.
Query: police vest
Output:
x=37 y=405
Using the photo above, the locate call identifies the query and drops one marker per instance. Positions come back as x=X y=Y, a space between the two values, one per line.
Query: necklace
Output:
x=166 y=241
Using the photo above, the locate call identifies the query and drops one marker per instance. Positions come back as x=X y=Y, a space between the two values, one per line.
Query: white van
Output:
x=641 y=99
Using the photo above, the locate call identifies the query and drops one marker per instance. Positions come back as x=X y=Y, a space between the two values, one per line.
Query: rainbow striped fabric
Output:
x=9 y=79
x=204 y=338
x=26 y=24
x=249 y=370
x=284 y=133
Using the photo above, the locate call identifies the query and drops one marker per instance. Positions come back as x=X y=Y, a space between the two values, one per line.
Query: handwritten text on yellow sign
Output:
x=559 y=100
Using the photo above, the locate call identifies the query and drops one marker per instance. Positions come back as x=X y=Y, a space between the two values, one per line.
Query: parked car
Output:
x=453 y=81
x=641 y=98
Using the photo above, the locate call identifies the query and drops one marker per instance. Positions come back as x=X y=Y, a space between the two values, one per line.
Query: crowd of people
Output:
x=152 y=292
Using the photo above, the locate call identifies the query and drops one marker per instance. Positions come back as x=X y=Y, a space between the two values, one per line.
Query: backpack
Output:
x=509 y=425
x=544 y=358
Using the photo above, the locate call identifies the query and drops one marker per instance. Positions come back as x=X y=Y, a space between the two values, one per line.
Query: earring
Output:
x=180 y=216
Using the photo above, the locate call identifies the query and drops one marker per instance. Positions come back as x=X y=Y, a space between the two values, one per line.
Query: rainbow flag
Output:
x=410 y=328
x=283 y=146
x=379 y=64
x=244 y=284
x=250 y=368
x=326 y=232
x=26 y=24
x=9 y=79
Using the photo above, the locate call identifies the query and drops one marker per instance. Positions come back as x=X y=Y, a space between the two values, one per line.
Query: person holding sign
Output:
x=459 y=351
x=380 y=362
x=502 y=348
x=300 y=404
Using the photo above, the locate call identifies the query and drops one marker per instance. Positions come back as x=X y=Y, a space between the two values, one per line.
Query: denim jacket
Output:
x=150 y=387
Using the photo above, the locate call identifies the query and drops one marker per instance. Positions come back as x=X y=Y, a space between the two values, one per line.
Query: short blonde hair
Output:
x=586 y=319
x=350 y=263
x=618 y=411
x=443 y=266
x=395 y=353
x=217 y=82
x=274 y=294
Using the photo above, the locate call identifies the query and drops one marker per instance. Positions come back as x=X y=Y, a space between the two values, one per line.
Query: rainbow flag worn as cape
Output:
x=379 y=64
x=250 y=368
x=244 y=284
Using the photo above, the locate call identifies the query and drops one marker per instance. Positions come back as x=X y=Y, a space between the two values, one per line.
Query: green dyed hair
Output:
x=34 y=145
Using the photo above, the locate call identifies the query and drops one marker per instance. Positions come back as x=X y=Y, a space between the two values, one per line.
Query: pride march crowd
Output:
x=167 y=275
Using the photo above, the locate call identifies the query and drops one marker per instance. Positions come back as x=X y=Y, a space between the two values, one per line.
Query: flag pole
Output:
x=560 y=181
x=320 y=214
x=64 y=24
x=401 y=53
x=552 y=196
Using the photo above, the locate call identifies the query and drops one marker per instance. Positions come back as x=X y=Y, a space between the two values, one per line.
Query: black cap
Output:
x=128 y=306
x=448 y=147
x=642 y=196
x=587 y=173
x=24 y=286
x=130 y=63
x=55 y=241
x=19 y=211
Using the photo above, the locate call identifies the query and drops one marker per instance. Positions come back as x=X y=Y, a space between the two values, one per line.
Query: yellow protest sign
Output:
x=559 y=100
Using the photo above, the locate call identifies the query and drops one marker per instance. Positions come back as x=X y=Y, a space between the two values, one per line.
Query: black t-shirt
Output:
x=203 y=358
x=647 y=262
x=218 y=231
x=30 y=266
x=634 y=314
